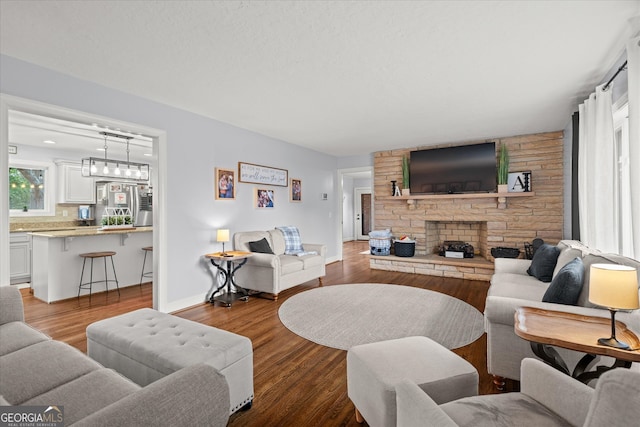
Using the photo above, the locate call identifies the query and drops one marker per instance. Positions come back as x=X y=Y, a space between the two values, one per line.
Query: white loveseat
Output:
x=512 y=287
x=274 y=273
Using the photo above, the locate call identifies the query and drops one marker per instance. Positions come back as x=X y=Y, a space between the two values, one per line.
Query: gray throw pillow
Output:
x=260 y=246
x=544 y=262
x=565 y=288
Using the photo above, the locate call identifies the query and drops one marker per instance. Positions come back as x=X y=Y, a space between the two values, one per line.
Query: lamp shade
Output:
x=614 y=286
x=223 y=235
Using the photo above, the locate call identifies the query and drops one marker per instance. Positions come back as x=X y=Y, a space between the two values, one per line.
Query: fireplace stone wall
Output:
x=484 y=222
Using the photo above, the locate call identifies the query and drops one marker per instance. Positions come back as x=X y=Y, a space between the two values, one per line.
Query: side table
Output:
x=544 y=328
x=227 y=264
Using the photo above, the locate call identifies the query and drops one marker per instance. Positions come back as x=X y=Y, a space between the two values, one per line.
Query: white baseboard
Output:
x=185 y=303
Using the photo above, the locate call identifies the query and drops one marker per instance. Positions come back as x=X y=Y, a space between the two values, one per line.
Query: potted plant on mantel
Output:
x=405 y=176
x=503 y=169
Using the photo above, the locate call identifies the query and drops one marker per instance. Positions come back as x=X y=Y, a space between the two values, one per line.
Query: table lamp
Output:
x=223 y=236
x=615 y=287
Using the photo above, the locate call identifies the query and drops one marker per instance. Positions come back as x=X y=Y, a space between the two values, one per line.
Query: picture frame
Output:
x=225 y=184
x=295 y=190
x=263 y=198
x=519 y=182
x=258 y=174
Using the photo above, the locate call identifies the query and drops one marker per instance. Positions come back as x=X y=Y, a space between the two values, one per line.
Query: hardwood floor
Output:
x=296 y=382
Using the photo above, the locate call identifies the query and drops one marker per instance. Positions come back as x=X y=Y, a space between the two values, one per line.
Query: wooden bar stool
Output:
x=89 y=284
x=145 y=273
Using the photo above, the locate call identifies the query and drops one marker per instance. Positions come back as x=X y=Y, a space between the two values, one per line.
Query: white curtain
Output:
x=597 y=173
x=633 y=70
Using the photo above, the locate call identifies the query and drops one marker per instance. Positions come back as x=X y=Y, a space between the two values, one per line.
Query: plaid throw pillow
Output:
x=292 y=240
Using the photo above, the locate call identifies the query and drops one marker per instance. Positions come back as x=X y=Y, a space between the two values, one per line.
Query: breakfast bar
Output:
x=56 y=261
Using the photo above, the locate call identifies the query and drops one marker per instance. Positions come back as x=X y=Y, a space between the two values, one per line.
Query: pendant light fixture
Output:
x=105 y=170
x=112 y=168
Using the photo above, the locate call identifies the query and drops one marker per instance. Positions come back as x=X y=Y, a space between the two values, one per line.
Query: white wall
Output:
x=196 y=145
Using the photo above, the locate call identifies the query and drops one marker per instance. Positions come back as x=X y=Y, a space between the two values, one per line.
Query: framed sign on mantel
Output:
x=257 y=174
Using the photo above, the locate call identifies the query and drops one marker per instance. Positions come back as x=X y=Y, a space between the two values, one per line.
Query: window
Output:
x=623 y=180
x=31 y=189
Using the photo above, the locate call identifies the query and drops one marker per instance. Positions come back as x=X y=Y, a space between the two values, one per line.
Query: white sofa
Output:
x=274 y=273
x=512 y=287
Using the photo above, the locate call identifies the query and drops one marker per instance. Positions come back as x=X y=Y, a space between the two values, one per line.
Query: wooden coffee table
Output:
x=546 y=328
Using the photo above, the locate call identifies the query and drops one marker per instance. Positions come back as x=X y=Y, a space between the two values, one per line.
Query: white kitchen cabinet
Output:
x=72 y=186
x=20 y=257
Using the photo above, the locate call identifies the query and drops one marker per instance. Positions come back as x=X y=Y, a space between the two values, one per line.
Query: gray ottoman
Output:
x=146 y=345
x=374 y=369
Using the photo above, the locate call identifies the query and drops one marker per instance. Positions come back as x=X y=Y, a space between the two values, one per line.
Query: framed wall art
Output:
x=295 y=190
x=257 y=174
x=263 y=198
x=225 y=184
x=519 y=182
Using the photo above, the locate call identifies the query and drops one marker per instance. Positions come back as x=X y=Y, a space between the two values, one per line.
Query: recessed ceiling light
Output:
x=48 y=141
x=148 y=154
x=99 y=149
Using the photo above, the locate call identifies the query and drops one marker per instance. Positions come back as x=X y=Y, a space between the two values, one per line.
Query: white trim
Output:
x=340 y=174
x=357 y=193
x=4 y=201
x=160 y=257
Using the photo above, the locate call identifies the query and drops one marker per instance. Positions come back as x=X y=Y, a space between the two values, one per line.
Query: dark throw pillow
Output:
x=260 y=246
x=565 y=288
x=544 y=262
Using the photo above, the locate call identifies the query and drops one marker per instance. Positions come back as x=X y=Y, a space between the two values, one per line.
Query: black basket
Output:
x=501 y=252
x=404 y=249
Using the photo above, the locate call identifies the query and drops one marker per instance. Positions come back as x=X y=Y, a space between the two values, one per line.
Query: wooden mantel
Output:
x=502 y=197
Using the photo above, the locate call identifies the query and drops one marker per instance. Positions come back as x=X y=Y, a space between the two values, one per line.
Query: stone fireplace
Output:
x=472 y=232
x=482 y=220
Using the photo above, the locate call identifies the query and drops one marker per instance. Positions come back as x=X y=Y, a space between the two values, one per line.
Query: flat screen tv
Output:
x=453 y=170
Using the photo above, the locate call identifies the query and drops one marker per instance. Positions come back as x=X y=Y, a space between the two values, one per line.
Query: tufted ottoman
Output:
x=146 y=345
x=373 y=370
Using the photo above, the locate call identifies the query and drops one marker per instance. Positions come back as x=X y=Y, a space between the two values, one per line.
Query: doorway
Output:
x=10 y=103
x=362 y=213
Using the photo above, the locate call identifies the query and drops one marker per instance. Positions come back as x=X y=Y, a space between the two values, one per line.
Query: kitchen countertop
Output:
x=40 y=229
x=89 y=231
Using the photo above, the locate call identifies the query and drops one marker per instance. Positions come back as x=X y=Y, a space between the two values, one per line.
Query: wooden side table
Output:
x=546 y=328
x=227 y=264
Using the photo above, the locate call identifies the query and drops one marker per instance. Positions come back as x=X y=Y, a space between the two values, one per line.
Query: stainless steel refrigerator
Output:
x=136 y=197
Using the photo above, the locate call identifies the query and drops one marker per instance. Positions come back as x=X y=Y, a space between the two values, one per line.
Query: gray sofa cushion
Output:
x=544 y=262
x=310 y=261
x=87 y=394
x=291 y=264
x=509 y=409
x=513 y=285
x=570 y=249
x=277 y=241
x=17 y=335
x=616 y=401
x=51 y=364
x=566 y=286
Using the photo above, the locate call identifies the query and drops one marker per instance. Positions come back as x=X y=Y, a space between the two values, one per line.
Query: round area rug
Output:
x=342 y=316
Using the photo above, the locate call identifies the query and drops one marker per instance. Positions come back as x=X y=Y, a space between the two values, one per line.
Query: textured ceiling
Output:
x=341 y=77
